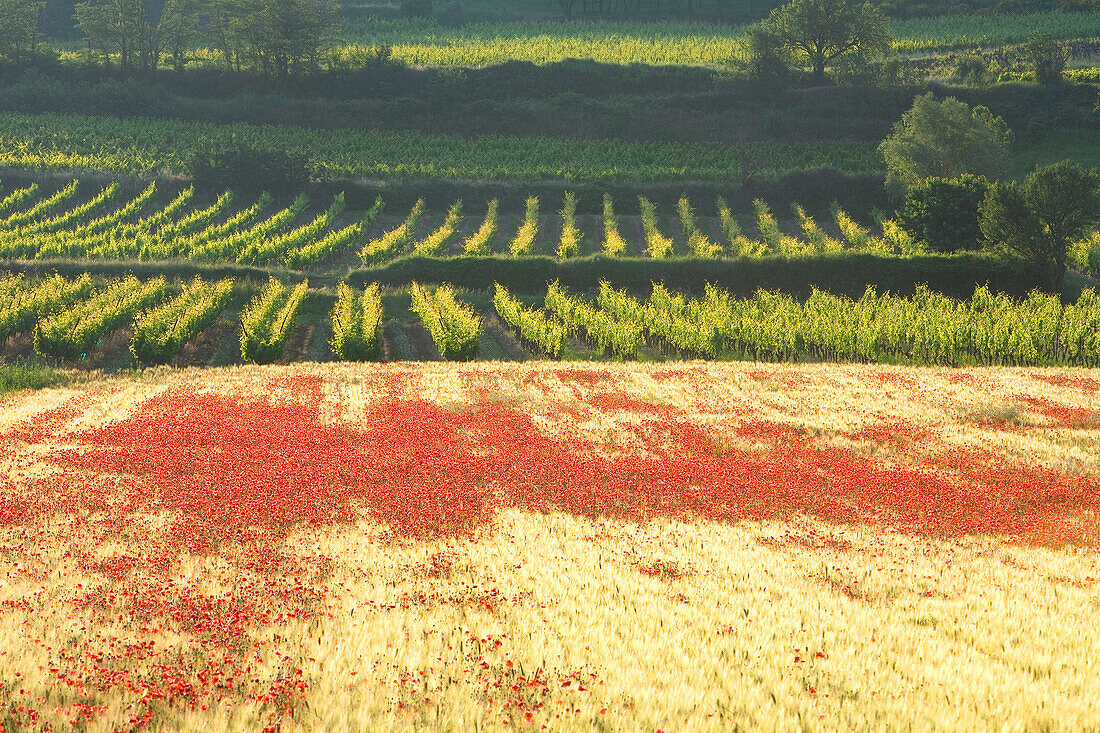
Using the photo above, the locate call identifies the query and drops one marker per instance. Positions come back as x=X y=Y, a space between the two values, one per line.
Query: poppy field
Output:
x=704 y=546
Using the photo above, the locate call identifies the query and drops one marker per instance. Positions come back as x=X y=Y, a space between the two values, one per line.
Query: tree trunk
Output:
x=819 y=71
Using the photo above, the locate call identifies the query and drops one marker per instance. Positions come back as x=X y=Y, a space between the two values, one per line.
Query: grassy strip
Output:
x=16 y=377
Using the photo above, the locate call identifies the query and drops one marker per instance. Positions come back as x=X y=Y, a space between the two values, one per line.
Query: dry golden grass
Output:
x=673 y=625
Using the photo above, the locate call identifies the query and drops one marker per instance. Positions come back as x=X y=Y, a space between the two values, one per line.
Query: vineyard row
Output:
x=56 y=225
x=69 y=319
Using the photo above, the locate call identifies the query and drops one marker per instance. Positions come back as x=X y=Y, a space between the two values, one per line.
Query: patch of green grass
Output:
x=16 y=377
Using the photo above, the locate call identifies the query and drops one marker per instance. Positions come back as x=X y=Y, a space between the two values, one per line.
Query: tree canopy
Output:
x=275 y=36
x=18 y=26
x=1037 y=220
x=825 y=30
x=944 y=140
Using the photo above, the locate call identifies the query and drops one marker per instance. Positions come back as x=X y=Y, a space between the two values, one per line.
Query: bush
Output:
x=971 y=69
x=768 y=60
x=943 y=212
x=1046 y=57
x=237 y=166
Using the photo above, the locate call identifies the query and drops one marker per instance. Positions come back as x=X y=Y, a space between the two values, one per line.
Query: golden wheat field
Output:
x=634 y=547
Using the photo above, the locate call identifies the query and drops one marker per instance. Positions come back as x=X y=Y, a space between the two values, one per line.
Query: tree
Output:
x=18 y=27
x=943 y=213
x=825 y=30
x=179 y=26
x=1036 y=221
x=225 y=29
x=123 y=27
x=1046 y=57
x=944 y=140
x=768 y=58
x=275 y=35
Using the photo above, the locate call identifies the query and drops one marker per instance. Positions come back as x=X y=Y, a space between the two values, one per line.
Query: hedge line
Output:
x=849 y=274
x=840 y=273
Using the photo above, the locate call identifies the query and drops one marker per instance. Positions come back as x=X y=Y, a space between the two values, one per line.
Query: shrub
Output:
x=768 y=59
x=235 y=165
x=15 y=377
x=971 y=69
x=267 y=321
x=357 y=323
x=570 y=235
x=1046 y=57
x=480 y=243
x=943 y=212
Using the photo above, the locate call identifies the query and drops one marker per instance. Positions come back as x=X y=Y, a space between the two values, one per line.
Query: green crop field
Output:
x=135 y=145
x=665 y=43
x=672 y=43
x=143 y=146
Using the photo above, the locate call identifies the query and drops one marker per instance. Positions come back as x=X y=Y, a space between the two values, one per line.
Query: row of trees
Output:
x=276 y=37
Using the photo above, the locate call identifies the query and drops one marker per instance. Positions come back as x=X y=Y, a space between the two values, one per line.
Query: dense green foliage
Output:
x=480 y=243
x=943 y=212
x=267 y=321
x=455 y=328
x=52 y=142
x=606 y=333
x=357 y=323
x=15 y=377
x=18 y=27
x=698 y=242
x=826 y=31
x=847 y=273
x=613 y=243
x=138 y=229
x=1046 y=56
x=233 y=165
x=437 y=241
x=21 y=305
x=1038 y=220
x=535 y=329
x=272 y=36
x=658 y=246
x=528 y=230
x=569 y=245
x=160 y=333
x=339 y=239
x=679 y=43
x=395 y=241
x=75 y=332
x=926 y=328
x=944 y=140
